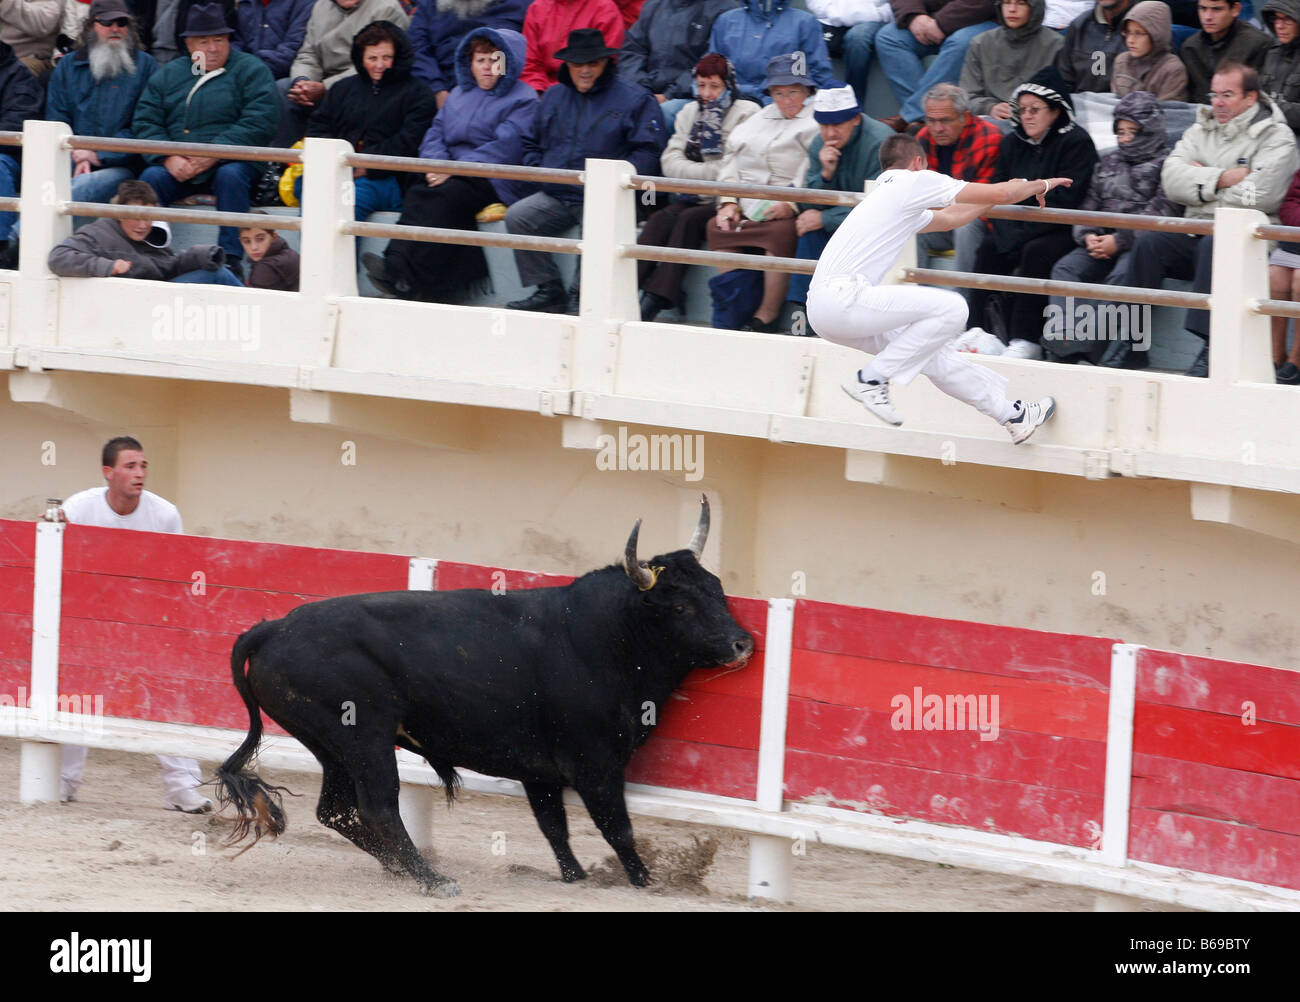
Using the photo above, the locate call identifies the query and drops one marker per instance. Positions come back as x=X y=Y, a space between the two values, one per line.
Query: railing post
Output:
x=38 y=766
x=1239 y=339
x=1116 y=800
x=329 y=262
x=771 y=857
x=46 y=181
x=609 y=294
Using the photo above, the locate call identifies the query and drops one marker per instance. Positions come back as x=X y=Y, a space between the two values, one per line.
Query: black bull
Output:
x=553 y=687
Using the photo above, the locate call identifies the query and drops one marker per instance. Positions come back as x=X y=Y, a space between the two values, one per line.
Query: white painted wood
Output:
x=770 y=867
x=419 y=576
x=47 y=597
x=1119 y=754
x=415 y=804
x=38 y=772
x=1240 y=348
x=776 y=697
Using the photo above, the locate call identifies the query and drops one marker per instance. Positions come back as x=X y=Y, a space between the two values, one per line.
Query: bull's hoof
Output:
x=639 y=877
x=443 y=887
x=572 y=873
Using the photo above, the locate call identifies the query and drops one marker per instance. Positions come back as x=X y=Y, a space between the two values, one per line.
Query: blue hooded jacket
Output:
x=273 y=32
x=437 y=30
x=760 y=29
x=486 y=126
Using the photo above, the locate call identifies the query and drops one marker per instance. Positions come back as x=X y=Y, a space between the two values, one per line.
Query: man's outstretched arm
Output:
x=1011 y=192
x=954 y=217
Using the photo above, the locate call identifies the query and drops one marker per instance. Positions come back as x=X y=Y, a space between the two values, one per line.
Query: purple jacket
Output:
x=273 y=32
x=486 y=126
x=437 y=30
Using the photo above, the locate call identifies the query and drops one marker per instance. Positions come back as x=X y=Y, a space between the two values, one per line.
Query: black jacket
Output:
x=22 y=96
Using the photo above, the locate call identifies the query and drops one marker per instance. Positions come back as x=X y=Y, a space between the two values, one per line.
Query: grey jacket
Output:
x=1087 y=59
x=999 y=61
x=1280 y=77
x=91 y=251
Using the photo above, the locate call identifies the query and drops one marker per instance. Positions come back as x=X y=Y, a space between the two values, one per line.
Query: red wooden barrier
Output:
x=1216 y=768
x=17 y=556
x=858 y=737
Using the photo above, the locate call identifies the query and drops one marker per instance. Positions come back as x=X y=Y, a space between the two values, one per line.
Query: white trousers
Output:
x=178 y=774
x=907 y=328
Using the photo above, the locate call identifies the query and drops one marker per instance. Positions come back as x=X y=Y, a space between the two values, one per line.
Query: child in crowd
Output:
x=274 y=264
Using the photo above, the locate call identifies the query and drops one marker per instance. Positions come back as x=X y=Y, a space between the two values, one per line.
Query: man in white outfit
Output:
x=908 y=327
x=125 y=504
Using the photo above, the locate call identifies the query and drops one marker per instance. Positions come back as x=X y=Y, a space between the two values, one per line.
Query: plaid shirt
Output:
x=976 y=154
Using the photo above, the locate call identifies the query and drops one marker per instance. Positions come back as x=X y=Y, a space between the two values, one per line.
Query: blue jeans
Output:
x=859 y=42
x=10 y=174
x=231 y=183
x=99 y=185
x=670 y=108
x=809 y=247
x=201 y=276
x=372 y=195
x=900 y=55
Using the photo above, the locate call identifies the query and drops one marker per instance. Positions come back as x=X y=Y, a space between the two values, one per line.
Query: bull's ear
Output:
x=641 y=576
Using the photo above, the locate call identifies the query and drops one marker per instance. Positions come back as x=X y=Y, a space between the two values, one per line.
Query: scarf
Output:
x=705 y=140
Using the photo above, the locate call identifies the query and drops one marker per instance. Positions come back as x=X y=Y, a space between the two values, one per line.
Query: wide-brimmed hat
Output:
x=109 y=10
x=832 y=105
x=780 y=72
x=206 y=19
x=586 y=45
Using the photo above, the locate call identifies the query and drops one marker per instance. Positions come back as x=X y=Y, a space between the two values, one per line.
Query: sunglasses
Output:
x=118 y=22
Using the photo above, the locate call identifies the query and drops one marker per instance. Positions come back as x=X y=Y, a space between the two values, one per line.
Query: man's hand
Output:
x=179 y=168
x=1052 y=182
x=1002 y=111
x=830 y=159
x=433 y=178
x=807 y=221
x=200 y=164
x=120 y=267
x=306 y=92
x=88 y=157
x=1101 y=247
x=781 y=210
x=925 y=29
x=1232 y=176
x=728 y=216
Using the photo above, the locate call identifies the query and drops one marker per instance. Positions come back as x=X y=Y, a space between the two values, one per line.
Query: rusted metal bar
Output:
x=778 y=193
x=1271 y=232
x=9 y=203
x=1275 y=308
x=432 y=234
x=1110 y=220
x=1042 y=287
x=217 y=151
x=11 y=139
x=754 y=262
x=155 y=212
x=412 y=165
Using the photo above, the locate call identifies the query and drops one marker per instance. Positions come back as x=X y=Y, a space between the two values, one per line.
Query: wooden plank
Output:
x=15 y=674
x=1216 y=739
x=1000 y=650
x=1036 y=812
x=16 y=585
x=1024 y=705
x=109 y=640
x=1219 y=686
x=451 y=575
x=711 y=718
x=16 y=635
x=1207 y=845
x=745 y=681
x=1015 y=756
x=1169 y=786
x=681 y=765
x=17 y=543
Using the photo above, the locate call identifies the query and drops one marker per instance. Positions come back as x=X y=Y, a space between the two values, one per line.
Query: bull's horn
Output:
x=702 y=529
x=640 y=575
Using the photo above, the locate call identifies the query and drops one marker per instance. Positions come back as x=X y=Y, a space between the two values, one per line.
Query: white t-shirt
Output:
x=152 y=514
x=869 y=240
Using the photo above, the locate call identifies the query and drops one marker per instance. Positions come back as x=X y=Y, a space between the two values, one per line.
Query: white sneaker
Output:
x=1028 y=417
x=189 y=801
x=1020 y=348
x=874 y=397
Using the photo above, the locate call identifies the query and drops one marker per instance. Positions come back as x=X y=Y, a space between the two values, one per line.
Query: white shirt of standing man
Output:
x=123 y=503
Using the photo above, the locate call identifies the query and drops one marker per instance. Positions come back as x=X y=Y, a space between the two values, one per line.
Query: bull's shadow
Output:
x=549 y=686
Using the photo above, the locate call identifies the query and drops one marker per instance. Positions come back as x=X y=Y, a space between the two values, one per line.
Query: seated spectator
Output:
x=1149 y=63
x=940 y=28
x=1240 y=153
x=844 y=157
x=1126 y=179
x=591 y=112
x=998 y=61
x=325 y=58
x=1284 y=283
x=21 y=98
x=161 y=23
x=857 y=21
x=1044 y=142
x=272 y=30
x=137 y=248
x=484 y=121
x=436 y=32
x=630 y=11
x=694 y=151
x=759 y=30
x=1280 y=78
x=1092 y=41
x=964 y=146
x=549 y=23
x=234 y=107
x=769 y=148
x=661 y=49
x=381 y=110
x=94 y=91
x=30 y=28
x=274 y=264
x=1223 y=38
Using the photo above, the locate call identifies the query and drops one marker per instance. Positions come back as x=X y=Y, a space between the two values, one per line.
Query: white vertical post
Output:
x=329 y=267
x=419 y=575
x=609 y=293
x=1119 y=754
x=38 y=768
x=47 y=180
x=770 y=858
x=1240 y=348
x=415 y=804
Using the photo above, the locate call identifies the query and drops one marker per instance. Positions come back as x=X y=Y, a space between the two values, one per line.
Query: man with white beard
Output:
x=94 y=90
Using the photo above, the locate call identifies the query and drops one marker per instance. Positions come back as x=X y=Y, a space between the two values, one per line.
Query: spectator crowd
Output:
x=727 y=90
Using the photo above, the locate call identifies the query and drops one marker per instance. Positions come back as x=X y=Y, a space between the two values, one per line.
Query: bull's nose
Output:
x=743 y=647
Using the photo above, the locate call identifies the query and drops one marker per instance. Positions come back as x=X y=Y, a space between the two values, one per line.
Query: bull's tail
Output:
x=258 y=805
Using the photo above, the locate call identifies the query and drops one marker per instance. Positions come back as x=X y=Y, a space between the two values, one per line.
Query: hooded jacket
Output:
x=437 y=29
x=1127 y=179
x=1065 y=150
x=1242 y=43
x=273 y=31
x=93 y=249
x=1159 y=72
x=1280 y=78
x=278 y=269
x=102 y=108
x=1259 y=136
x=385 y=117
x=950 y=15
x=760 y=29
x=326 y=52
x=661 y=49
x=998 y=61
x=486 y=126
x=1087 y=58
x=615 y=120
x=546 y=30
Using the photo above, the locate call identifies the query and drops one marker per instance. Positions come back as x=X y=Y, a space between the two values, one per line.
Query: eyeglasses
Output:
x=1033 y=109
x=118 y=22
